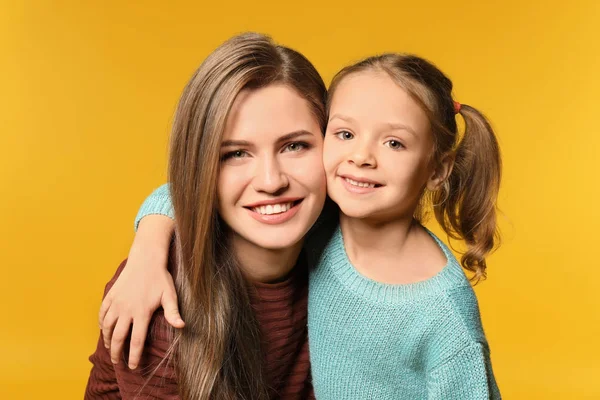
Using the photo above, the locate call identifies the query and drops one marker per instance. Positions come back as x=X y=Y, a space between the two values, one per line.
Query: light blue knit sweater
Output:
x=370 y=340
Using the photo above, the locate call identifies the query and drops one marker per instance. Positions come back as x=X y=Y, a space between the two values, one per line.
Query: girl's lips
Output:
x=357 y=189
x=361 y=180
x=276 y=219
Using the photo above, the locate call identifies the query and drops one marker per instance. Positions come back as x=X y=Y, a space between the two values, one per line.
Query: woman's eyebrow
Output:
x=294 y=135
x=236 y=143
x=284 y=138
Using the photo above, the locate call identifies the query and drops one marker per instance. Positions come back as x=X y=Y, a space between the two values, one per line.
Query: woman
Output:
x=246 y=139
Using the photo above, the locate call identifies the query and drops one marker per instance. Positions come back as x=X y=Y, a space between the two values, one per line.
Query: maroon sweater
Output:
x=281 y=310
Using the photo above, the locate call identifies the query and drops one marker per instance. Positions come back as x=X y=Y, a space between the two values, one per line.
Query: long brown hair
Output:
x=218 y=353
x=465 y=204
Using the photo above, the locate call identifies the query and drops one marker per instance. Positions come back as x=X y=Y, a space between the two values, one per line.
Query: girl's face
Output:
x=272 y=185
x=378 y=148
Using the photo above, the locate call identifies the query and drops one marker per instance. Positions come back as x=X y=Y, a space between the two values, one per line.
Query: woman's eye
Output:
x=234 y=155
x=295 y=146
x=394 y=144
x=345 y=135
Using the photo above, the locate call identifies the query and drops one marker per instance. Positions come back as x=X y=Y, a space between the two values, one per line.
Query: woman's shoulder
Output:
x=155 y=375
x=160 y=333
x=114 y=278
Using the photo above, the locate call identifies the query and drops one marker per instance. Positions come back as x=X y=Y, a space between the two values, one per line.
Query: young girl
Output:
x=391 y=312
x=247 y=135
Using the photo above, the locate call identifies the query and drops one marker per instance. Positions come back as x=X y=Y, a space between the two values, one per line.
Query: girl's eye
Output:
x=394 y=144
x=295 y=146
x=236 y=154
x=345 y=135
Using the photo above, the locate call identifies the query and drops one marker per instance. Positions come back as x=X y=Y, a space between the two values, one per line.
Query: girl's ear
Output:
x=441 y=172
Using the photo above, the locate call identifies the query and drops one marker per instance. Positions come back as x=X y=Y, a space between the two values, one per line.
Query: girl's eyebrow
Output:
x=342 y=117
x=400 y=127
x=391 y=126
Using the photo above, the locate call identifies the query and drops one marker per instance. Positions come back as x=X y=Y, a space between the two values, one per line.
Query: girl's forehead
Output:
x=368 y=87
x=373 y=95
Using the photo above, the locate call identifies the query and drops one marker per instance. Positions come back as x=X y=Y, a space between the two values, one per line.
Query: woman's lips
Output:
x=291 y=209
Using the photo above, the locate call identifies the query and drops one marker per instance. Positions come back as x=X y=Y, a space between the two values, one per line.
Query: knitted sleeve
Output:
x=155 y=377
x=159 y=202
x=466 y=376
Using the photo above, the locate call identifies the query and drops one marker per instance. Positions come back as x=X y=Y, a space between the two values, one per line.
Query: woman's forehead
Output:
x=270 y=111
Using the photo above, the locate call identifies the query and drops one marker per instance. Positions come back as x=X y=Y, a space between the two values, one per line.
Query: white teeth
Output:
x=360 y=184
x=273 y=209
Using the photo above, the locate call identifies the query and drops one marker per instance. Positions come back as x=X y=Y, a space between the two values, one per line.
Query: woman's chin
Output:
x=277 y=243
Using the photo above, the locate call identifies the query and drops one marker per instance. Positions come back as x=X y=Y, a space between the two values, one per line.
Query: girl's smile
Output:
x=358 y=185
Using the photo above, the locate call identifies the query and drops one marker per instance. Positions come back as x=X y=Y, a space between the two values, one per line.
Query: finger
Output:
x=118 y=339
x=171 y=309
x=106 y=303
x=110 y=320
x=138 y=339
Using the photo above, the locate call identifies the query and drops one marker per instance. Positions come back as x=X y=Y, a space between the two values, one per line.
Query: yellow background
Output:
x=87 y=92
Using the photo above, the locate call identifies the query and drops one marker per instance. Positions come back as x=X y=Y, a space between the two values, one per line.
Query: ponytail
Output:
x=469 y=209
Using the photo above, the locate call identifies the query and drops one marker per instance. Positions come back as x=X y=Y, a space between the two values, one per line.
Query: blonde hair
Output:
x=218 y=354
x=465 y=204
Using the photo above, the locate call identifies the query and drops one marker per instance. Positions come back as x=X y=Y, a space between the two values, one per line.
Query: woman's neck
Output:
x=265 y=265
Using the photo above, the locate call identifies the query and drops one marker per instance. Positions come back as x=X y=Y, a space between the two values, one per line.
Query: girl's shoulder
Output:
x=465 y=309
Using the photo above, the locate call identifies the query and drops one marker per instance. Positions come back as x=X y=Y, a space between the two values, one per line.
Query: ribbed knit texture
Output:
x=370 y=340
x=159 y=202
x=281 y=310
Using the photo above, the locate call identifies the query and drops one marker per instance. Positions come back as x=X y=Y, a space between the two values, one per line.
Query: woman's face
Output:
x=272 y=185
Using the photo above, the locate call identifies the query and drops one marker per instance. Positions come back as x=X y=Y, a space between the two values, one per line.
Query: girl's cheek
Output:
x=333 y=153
